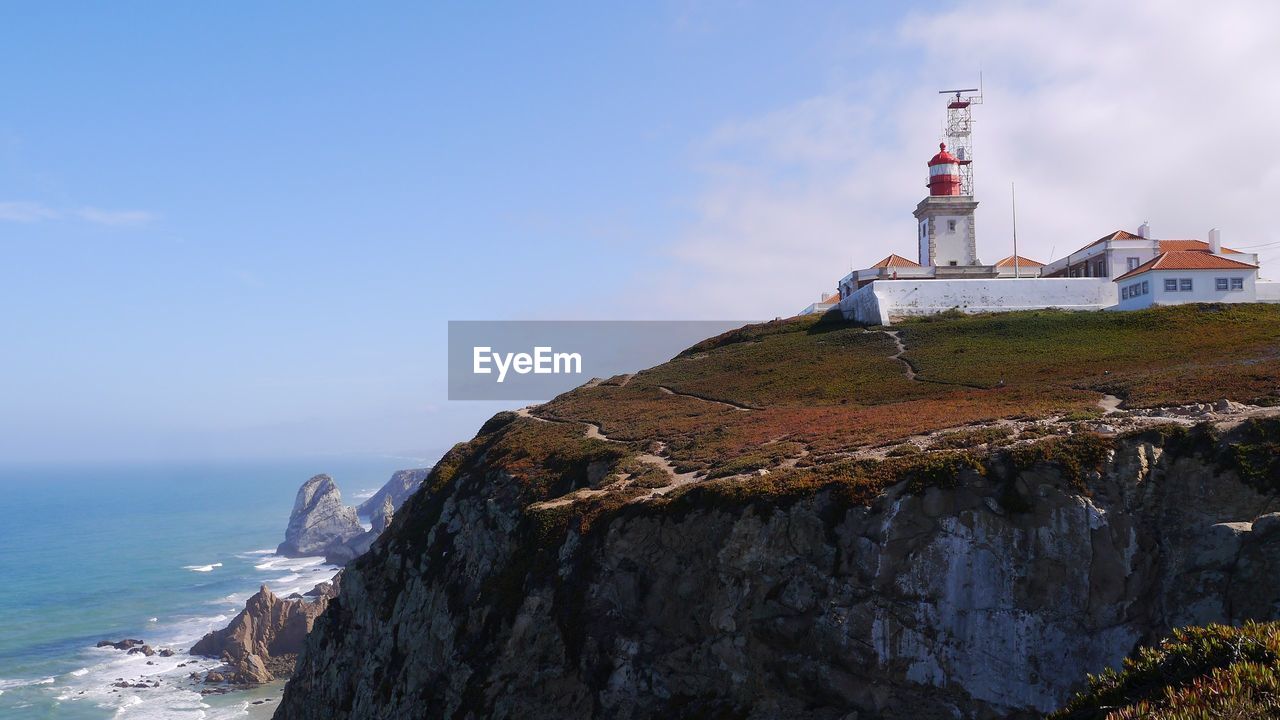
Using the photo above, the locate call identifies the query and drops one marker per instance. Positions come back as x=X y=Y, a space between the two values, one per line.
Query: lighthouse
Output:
x=945 y=218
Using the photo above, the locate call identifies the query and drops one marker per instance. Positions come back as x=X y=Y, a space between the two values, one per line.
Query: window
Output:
x=952 y=263
x=1237 y=283
x=1146 y=287
x=1124 y=293
x=1221 y=284
x=1171 y=285
x=1184 y=285
x=1134 y=263
x=951 y=226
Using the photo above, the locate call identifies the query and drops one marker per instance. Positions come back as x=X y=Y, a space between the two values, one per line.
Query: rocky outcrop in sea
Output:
x=263 y=641
x=319 y=521
x=355 y=547
x=402 y=484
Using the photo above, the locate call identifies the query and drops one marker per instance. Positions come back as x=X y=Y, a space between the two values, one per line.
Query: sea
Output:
x=159 y=552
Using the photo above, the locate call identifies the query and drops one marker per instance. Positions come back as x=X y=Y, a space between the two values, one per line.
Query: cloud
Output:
x=1104 y=114
x=115 y=218
x=26 y=212
x=31 y=212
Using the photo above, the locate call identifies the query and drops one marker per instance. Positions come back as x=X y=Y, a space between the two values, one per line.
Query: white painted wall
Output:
x=886 y=300
x=922 y=235
x=1268 y=291
x=1203 y=283
x=864 y=304
x=952 y=245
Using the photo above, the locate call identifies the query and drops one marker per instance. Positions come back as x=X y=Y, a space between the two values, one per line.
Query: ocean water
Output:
x=163 y=553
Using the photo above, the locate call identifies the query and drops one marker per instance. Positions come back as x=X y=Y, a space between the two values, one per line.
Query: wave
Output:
x=266 y=551
x=13 y=684
x=202 y=568
x=291 y=564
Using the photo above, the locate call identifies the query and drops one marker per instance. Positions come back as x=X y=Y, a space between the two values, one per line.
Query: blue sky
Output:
x=240 y=229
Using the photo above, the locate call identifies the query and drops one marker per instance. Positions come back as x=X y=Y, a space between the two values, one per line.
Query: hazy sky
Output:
x=238 y=229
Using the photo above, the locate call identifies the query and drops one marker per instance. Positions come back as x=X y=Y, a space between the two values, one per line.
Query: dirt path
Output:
x=1109 y=404
x=909 y=371
x=726 y=403
x=657 y=459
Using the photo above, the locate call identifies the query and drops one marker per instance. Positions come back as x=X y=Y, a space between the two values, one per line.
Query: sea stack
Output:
x=402 y=484
x=263 y=641
x=319 y=520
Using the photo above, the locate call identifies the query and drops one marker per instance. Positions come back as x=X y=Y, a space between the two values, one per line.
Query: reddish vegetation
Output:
x=824 y=387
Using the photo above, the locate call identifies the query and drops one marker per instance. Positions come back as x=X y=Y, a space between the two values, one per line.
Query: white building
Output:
x=1187 y=276
x=1116 y=254
x=948 y=275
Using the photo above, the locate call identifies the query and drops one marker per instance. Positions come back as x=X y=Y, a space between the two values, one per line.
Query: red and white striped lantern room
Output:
x=944 y=173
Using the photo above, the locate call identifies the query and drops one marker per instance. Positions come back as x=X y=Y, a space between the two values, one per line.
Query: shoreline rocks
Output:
x=262 y=642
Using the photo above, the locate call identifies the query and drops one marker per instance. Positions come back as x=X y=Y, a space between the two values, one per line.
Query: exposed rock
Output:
x=402 y=484
x=327 y=590
x=985 y=595
x=360 y=544
x=125 y=644
x=262 y=642
x=319 y=520
x=142 y=649
x=166 y=652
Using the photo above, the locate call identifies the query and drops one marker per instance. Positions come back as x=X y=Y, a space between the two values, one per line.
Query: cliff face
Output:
x=988 y=595
x=802 y=520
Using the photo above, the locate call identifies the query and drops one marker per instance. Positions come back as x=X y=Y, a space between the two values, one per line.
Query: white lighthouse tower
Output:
x=945 y=218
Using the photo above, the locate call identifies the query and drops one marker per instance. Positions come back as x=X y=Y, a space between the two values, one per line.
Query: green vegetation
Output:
x=765 y=457
x=830 y=386
x=971 y=438
x=1161 y=356
x=1075 y=456
x=1256 y=455
x=1199 y=673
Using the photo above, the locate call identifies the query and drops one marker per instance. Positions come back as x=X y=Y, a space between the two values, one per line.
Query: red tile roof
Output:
x=1171 y=245
x=895 y=261
x=1117 y=235
x=1187 y=260
x=1022 y=262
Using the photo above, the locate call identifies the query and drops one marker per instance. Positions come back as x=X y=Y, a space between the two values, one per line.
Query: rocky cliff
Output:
x=402 y=484
x=319 y=520
x=355 y=547
x=263 y=641
x=846 y=530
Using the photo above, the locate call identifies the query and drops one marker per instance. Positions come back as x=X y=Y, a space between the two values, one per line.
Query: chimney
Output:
x=1144 y=230
x=1215 y=241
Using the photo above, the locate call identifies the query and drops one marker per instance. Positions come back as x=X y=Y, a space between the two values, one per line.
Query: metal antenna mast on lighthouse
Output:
x=958 y=132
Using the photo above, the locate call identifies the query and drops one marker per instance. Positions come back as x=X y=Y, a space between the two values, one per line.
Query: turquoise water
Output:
x=158 y=552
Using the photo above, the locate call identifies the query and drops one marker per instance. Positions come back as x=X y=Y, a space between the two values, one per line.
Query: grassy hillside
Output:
x=824 y=387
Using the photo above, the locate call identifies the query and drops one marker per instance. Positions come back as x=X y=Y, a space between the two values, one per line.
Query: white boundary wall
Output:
x=884 y=301
x=1268 y=291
